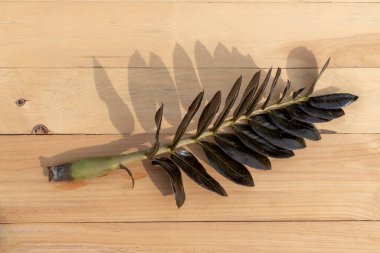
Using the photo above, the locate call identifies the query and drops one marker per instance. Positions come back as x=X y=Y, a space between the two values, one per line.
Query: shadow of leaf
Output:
x=186 y=79
x=306 y=77
x=142 y=96
x=164 y=89
x=152 y=83
x=113 y=101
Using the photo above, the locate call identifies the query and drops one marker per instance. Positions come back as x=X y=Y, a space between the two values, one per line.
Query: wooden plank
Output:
x=334 y=179
x=69 y=34
x=209 y=1
x=113 y=100
x=313 y=237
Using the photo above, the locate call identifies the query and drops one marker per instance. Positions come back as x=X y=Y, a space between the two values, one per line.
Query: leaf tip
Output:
x=223 y=193
x=249 y=183
x=180 y=204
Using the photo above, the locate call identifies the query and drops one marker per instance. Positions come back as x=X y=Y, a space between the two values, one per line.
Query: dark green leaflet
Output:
x=332 y=101
x=230 y=100
x=247 y=96
x=276 y=136
x=158 y=120
x=318 y=77
x=264 y=120
x=292 y=126
x=233 y=147
x=258 y=144
x=226 y=166
x=297 y=93
x=285 y=92
x=190 y=165
x=175 y=178
x=186 y=120
x=321 y=113
x=274 y=83
x=296 y=113
x=258 y=94
x=208 y=114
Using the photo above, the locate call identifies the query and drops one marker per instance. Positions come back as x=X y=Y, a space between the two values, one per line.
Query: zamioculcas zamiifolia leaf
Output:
x=175 y=178
x=297 y=93
x=235 y=149
x=296 y=113
x=275 y=136
x=247 y=96
x=274 y=83
x=328 y=114
x=186 y=120
x=230 y=100
x=332 y=101
x=226 y=166
x=311 y=89
x=158 y=120
x=292 y=126
x=258 y=94
x=285 y=92
x=208 y=114
x=258 y=144
x=273 y=130
x=194 y=169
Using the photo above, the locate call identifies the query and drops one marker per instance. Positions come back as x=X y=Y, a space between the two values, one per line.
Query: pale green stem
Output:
x=98 y=166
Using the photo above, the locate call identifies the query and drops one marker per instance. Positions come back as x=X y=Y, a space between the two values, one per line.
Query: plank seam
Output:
x=171 y=68
x=188 y=221
x=199 y=2
x=130 y=135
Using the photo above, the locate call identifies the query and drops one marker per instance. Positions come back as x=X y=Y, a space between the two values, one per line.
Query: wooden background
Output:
x=93 y=73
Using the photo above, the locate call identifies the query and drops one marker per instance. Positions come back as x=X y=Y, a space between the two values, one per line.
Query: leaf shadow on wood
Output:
x=222 y=67
x=306 y=77
x=147 y=98
x=117 y=109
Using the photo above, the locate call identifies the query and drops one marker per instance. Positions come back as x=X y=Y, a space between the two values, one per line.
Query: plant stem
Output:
x=99 y=166
x=143 y=154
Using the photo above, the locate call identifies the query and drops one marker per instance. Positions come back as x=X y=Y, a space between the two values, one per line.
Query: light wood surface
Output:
x=69 y=34
x=314 y=237
x=72 y=101
x=336 y=178
x=91 y=70
x=208 y=1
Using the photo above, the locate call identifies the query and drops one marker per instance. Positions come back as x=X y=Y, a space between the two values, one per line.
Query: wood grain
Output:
x=52 y=53
x=208 y=1
x=266 y=237
x=115 y=100
x=336 y=178
x=34 y=35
